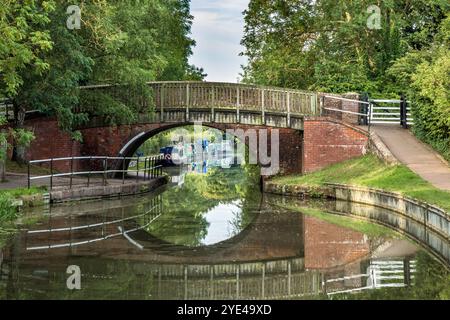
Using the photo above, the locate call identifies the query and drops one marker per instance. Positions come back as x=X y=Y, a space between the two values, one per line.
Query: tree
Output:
x=121 y=43
x=25 y=40
x=424 y=75
x=327 y=45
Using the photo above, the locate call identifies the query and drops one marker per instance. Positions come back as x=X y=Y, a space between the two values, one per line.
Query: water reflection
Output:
x=199 y=242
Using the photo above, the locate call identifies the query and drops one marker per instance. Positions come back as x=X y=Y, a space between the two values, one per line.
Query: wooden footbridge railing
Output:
x=226 y=102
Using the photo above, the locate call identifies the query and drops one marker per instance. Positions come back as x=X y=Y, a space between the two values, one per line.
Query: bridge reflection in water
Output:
x=277 y=255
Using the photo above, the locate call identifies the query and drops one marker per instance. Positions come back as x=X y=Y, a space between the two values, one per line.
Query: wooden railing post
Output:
x=162 y=103
x=314 y=110
x=213 y=101
x=238 y=103
x=263 y=107
x=187 y=102
x=288 y=108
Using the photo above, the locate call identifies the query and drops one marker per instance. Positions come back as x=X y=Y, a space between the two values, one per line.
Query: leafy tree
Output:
x=424 y=76
x=25 y=40
x=327 y=45
x=121 y=43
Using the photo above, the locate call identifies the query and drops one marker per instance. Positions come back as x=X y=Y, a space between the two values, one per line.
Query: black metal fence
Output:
x=105 y=168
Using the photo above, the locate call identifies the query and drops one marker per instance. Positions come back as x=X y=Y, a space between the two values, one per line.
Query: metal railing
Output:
x=146 y=168
x=384 y=111
x=362 y=117
x=7 y=109
x=97 y=231
x=373 y=112
x=380 y=274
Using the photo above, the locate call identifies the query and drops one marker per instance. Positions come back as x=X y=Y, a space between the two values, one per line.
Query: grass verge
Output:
x=369 y=171
x=8 y=199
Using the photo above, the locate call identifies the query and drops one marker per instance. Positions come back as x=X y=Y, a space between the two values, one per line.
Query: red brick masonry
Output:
x=327 y=141
x=324 y=141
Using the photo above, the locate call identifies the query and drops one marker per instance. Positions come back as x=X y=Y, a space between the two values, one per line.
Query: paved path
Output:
x=21 y=181
x=419 y=157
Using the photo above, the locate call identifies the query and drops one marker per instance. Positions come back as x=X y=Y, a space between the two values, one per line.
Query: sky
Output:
x=218 y=29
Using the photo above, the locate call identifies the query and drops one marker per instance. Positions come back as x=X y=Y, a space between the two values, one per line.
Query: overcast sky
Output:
x=218 y=29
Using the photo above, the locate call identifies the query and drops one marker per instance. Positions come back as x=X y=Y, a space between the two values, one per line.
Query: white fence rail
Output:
x=379 y=274
x=383 y=111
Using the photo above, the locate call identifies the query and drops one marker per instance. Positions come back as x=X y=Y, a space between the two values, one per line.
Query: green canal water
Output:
x=214 y=235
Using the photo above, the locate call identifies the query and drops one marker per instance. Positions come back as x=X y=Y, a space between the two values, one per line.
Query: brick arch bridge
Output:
x=308 y=139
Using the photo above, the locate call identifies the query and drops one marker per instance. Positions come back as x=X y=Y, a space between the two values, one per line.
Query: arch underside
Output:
x=139 y=138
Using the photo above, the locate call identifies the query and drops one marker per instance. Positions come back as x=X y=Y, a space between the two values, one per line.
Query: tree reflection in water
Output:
x=185 y=222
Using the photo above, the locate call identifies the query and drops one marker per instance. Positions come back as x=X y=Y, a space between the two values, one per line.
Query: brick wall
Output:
x=290 y=145
x=51 y=142
x=328 y=245
x=326 y=142
x=341 y=105
x=350 y=106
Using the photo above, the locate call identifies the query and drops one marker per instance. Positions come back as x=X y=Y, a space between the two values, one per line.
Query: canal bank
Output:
x=112 y=190
x=353 y=190
x=13 y=201
x=204 y=239
x=365 y=172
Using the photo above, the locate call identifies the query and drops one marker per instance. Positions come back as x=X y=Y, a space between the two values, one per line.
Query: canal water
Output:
x=211 y=234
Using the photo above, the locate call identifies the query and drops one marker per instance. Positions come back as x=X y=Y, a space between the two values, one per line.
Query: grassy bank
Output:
x=369 y=171
x=9 y=199
x=9 y=212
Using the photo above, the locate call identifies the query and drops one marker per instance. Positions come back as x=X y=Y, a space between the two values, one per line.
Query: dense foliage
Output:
x=425 y=76
x=328 y=45
x=43 y=62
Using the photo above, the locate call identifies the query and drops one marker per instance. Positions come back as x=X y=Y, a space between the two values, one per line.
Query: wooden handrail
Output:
x=219 y=95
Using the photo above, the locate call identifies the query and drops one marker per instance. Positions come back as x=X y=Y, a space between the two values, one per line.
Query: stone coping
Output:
x=432 y=216
x=105 y=192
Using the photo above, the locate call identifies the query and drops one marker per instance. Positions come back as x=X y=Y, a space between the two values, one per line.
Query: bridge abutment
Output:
x=323 y=141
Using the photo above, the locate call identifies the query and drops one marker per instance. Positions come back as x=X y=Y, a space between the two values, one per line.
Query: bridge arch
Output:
x=308 y=139
x=290 y=156
x=132 y=145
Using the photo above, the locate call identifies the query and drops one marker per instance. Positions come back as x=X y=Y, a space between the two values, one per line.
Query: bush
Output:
x=8 y=211
x=424 y=75
x=431 y=107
